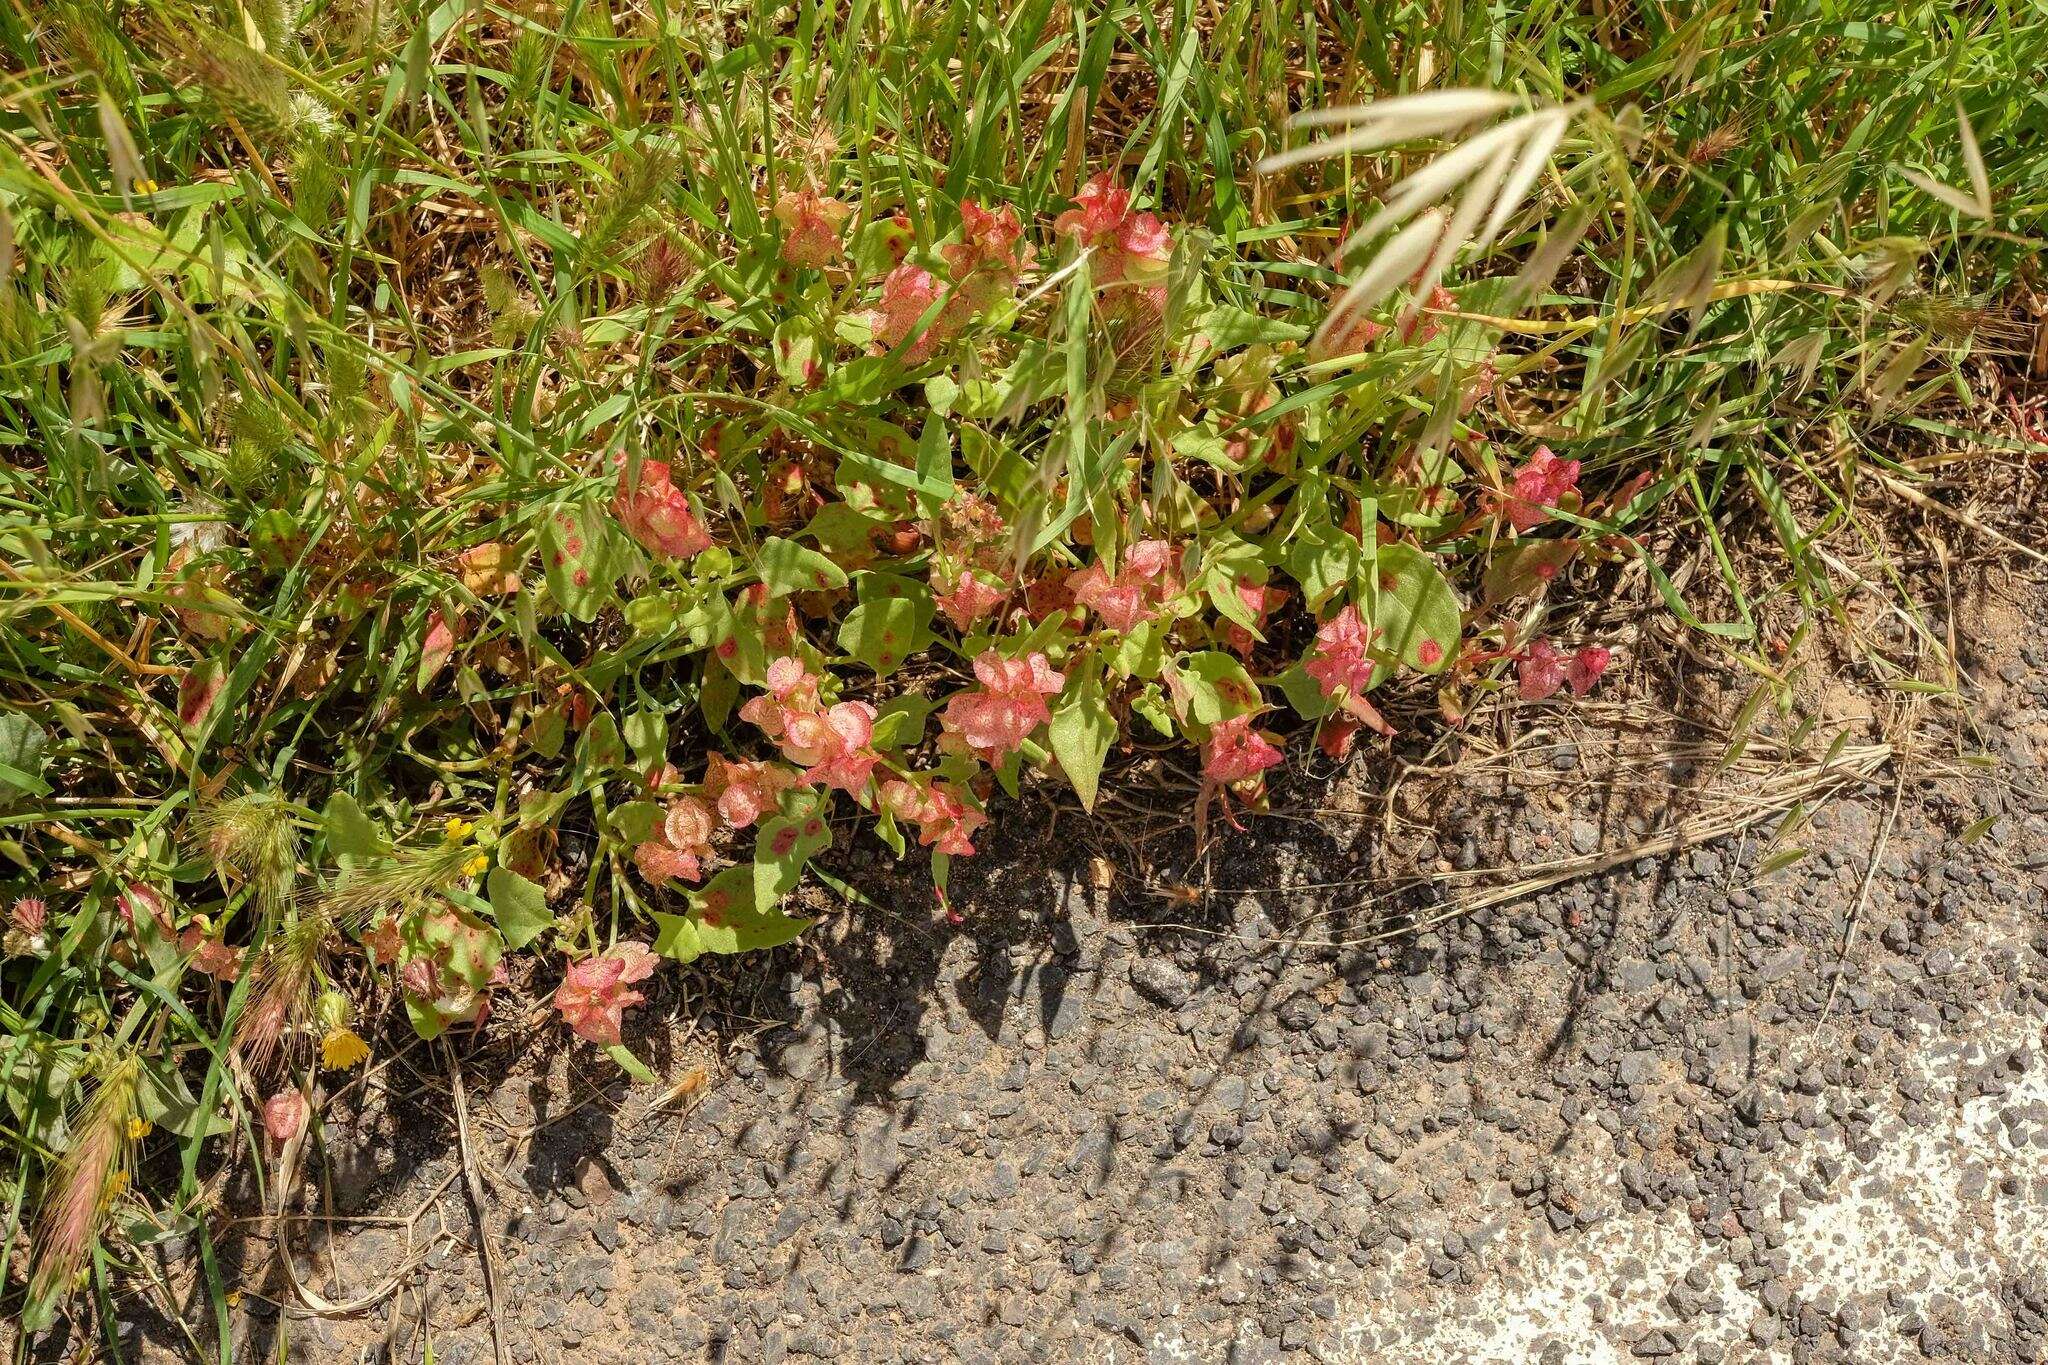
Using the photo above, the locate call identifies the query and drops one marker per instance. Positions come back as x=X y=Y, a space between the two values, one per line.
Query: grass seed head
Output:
x=90 y=1176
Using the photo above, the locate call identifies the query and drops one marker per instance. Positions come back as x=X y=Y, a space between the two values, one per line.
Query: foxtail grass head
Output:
x=287 y=977
x=255 y=837
x=87 y=1181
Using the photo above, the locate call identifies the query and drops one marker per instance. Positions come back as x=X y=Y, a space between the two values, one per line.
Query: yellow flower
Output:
x=459 y=829
x=342 y=1049
x=138 y=1128
x=475 y=866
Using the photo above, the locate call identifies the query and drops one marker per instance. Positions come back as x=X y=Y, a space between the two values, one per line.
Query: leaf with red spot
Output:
x=788 y=567
x=723 y=918
x=1526 y=567
x=581 y=557
x=846 y=534
x=437 y=644
x=892 y=622
x=1209 y=687
x=1416 y=617
x=198 y=690
x=881 y=246
x=785 y=843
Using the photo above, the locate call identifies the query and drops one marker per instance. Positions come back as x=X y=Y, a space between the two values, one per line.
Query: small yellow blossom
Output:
x=342 y=1048
x=139 y=1128
x=475 y=866
x=459 y=829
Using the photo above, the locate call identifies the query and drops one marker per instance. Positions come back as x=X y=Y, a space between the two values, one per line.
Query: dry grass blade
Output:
x=1884 y=837
x=1386 y=123
x=1853 y=765
x=479 y=1204
x=1961 y=518
x=1759 y=799
x=1409 y=252
x=1489 y=177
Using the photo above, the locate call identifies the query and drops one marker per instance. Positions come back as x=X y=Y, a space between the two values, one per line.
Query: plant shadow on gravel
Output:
x=838 y=1020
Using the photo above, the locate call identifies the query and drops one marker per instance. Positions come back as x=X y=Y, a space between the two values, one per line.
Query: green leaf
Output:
x=22 y=743
x=892 y=622
x=900 y=721
x=1304 y=694
x=1211 y=686
x=350 y=832
x=724 y=918
x=1324 y=559
x=844 y=532
x=547 y=731
x=647 y=736
x=941 y=392
x=600 y=749
x=788 y=567
x=634 y=822
x=426 y=1022
x=782 y=847
x=1142 y=653
x=1228 y=327
x=718 y=694
x=1415 y=610
x=1223 y=597
x=935 y=464
x=1081 y=732
x=890 y=832
x=1150 y=703
x=582 y=558
x=165 y=1098
x=519 y=907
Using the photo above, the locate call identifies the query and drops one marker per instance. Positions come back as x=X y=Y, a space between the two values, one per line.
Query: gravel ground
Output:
x=1634 y=1117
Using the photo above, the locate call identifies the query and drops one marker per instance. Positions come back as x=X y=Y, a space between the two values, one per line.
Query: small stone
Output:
x=1161 y=981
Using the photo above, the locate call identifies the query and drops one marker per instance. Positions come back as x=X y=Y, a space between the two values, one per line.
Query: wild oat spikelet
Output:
x=250 y=85
x=290 y=969
x=663 y=267
x=92 y=1174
